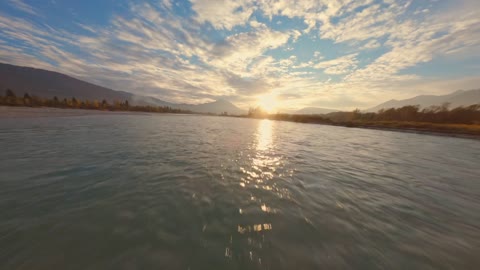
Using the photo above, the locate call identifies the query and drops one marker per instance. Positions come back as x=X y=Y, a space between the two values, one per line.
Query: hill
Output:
x=308 y=110
x=218 y=107
x=315 y=110
x=456 y=99
x=47 y=84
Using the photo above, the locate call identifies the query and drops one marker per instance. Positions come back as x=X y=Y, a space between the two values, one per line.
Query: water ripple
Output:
x=198 y=192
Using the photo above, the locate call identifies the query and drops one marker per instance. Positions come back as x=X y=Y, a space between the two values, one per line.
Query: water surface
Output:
x=197 y=192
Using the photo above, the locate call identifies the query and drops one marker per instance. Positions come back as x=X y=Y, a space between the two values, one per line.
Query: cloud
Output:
x=236 y=49
x=339 y=65
x=248 y=86
x=236 y=52
x=22 y=6
x=374 y=21
x=372 y=44
x=413 y=43
x=223 y=14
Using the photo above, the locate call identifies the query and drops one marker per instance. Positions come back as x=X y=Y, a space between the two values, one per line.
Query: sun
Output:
x=268 y=103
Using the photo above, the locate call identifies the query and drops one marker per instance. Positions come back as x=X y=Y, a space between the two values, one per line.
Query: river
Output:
x=157 y=191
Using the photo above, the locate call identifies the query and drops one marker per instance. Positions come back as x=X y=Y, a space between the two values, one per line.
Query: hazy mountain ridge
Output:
x=47 y=84
x=456 y=99
x=309 y=110
x=315 y=110
x=218 y=107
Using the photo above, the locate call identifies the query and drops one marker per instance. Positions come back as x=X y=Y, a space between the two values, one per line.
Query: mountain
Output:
x=218 y=107
x=309 y=110
x=314 y=110
x=456 y=99
x=47 y=84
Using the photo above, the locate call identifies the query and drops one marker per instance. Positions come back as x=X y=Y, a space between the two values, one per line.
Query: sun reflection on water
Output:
x=264 y=135
x=265 y=164
x=254 y=228
x=260 y=176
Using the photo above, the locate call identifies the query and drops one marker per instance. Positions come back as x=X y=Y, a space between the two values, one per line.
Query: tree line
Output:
x=11 y=99
x=433 y=114
x=441 y=114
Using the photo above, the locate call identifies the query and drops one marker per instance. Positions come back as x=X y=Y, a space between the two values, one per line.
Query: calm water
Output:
x=197 y=192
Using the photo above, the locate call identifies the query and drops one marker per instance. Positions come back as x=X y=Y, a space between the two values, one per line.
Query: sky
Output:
x=340 y=54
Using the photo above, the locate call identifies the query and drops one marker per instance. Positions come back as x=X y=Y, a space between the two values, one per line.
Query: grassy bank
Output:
x=418 y=127
x=452 y=129
x=460 y=122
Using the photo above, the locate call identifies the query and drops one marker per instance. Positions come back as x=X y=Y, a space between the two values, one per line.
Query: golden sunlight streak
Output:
x=264 y=135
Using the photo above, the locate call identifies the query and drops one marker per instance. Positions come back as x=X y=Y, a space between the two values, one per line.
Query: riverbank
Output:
x=444 y=129
x=452 y=130
x=29 y=112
